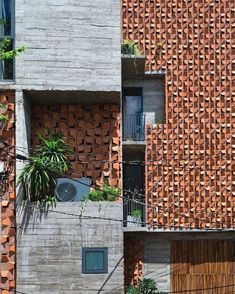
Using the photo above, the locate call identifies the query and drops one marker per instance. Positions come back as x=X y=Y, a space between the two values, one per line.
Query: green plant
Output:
x=3 y=106
x=132 y=290
x=107 y=193
x=5 y=44
x=148 y=286
x=48 y=199
x=130 y=47
x=3 y=117
x=137 y=213
x=55 y=149
x=49 y=160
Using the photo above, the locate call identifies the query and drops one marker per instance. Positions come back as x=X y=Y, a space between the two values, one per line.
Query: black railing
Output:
x=133 y=126
x=134 y=212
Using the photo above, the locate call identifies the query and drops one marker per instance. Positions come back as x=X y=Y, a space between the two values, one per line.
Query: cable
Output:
x=139 y=202
x=125 y=198
x=142 y=162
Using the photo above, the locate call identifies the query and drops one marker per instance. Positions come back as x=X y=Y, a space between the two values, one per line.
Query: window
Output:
x=94 y=260
x=7 y=31
x=133 y=119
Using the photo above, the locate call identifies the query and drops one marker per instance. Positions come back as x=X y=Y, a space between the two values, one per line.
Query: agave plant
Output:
x=49 y=160
x=54 y=148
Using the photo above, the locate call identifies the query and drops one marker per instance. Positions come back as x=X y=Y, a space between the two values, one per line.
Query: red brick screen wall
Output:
x=7 y=197
x=133 y=261
x=94 y=133
x=192 y=179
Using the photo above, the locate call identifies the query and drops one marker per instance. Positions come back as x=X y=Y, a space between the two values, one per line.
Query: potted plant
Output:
x=134 y=219
x=129 y=47
x=106 y=193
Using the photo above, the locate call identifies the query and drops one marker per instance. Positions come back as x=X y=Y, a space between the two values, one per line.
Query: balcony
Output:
x=134 y=213
x=133 y=126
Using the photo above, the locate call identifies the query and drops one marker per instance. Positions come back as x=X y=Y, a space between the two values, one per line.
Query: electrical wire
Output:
x=141 y=203
x=150 y=206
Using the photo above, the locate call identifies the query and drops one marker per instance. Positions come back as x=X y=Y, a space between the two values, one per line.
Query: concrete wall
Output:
x=50 y=246
x=72 y=45
x=153 y=96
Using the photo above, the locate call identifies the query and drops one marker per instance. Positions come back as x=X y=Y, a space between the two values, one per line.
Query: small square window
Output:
x=94 y=260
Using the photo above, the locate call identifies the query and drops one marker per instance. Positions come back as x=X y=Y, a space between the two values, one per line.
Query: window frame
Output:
x=11 y=37
x=104 y=250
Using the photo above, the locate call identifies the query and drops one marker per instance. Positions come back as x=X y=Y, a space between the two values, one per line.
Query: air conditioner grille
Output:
x=66 y=192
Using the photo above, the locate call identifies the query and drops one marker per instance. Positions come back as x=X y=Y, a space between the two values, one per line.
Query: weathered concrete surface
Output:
x=71 y=45
x=50 y=246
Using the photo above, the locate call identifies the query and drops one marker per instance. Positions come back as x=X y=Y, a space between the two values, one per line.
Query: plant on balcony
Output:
x=129 y=47
x=49 y=159
x=134 y=219
x=106 y=193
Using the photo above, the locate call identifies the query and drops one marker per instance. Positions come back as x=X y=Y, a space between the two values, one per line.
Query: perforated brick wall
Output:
x=192 y=179
x=133 y=261
x=7 y=195
x=92 y=130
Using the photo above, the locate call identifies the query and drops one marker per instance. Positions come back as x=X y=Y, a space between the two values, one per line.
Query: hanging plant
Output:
x=49 y=160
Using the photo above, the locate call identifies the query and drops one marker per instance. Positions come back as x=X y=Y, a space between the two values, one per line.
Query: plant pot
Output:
x=133 y=221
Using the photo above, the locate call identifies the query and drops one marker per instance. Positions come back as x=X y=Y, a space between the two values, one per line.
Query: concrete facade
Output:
x=50 y=246
x=71 y=45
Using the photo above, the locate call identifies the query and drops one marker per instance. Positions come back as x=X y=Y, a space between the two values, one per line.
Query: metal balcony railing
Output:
x=134 y=212
x=133 y=126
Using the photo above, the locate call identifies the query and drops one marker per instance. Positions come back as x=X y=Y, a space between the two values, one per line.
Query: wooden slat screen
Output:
x=208 y=266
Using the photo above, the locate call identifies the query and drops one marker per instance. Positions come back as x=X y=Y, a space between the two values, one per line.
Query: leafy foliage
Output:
x=49 y=160
x=132 y=290
x=130 y=47
x=3 y=117
x=136 y=213
x=6 y=53
x=146 y=286
x=107 y=193
x=55 y=150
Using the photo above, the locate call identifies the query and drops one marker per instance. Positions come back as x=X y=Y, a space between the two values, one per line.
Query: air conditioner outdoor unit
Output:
x=72 y=189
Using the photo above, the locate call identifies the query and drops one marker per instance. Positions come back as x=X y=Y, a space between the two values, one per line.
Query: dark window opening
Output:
x=134 y=181
x=94 y=260
x=133 y=117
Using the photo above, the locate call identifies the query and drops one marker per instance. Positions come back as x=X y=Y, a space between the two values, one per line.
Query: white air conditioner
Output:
x=72 y=189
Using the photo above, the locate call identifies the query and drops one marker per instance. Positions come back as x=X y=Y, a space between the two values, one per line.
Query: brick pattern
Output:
x=192 y=181
x=133 y=263
x=7 y=196
x=92 y=130
x=190 y=176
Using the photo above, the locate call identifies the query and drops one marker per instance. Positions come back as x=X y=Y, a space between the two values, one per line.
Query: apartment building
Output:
x=158 y=124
